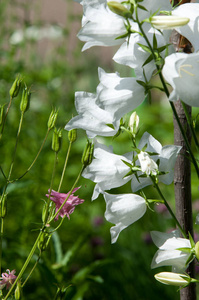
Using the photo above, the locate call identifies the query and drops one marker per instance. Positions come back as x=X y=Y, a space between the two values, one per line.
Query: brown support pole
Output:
x=182 y=177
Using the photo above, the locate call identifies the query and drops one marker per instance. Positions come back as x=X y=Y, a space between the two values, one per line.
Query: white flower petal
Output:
x=123 y=210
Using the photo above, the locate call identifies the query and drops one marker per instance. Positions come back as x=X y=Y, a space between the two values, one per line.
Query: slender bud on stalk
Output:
x=72 y=135
x=176 y=279
x=25 y=100
x=88 y=154
x=1 y=113
x=18 y=291
x=56 y=139
x=134 y=123
x=119 y=9
x=3 y=206
x=16 y=87
x=52 y=119
x=168 y=22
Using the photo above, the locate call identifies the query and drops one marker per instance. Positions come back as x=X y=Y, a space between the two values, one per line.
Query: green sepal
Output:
x=127 y=163
x=191 y=240
x=185 y=249
x=145 y=48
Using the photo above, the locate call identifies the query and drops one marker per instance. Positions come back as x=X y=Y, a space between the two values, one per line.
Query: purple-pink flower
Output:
x=70 y=204
x=7 y=279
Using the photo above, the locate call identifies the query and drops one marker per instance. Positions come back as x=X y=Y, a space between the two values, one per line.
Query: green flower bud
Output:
x=44 y=241
x=72 y=135
x=197 y=250
x=18 y=291
x=56 y=140
x=16 y=87
x=25 y=100
x=119 y=9
x=52 y=119
x=1 y=113
x=3 y=206
x=88 y=154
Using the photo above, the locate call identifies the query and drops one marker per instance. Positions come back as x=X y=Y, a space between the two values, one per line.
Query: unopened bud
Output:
x=52 y=119
x=197 y=250
x=16 y=87
x=176 y=279
x=18 y=291
x=56 y=139
x=25 y=100
x=3 y=206
x=134 y=123
x=119 y=9
x=168 y=22
x=1 y=113
x=88 y=154
x=72 y=135
x=44 y=241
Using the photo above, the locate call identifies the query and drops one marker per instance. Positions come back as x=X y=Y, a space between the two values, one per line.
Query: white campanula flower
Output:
x=168 y=255
x=123 y=210
x=166 y=155
x=181 y=70
x=148 y=166
x=101 y=26
x=91 y=117
x=118 y=95
x=107 y=169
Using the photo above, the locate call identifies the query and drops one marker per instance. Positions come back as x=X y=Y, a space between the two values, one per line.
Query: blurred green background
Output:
x=38 y=40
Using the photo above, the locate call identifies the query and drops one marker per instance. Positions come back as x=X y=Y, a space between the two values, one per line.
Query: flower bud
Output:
x=134 y=123
x=88 y=154
x=44 y=241
x=16 y=87
x=1 y=113
x=56 y=139
x=119 y=9
x=168 y=22
x=176 y=279
x=72 y=135
x=52 y=119
x=18 y=291
x=3 y=206
x=25 y=100
x=197 y=250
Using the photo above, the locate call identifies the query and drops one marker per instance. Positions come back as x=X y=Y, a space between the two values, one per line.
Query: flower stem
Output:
x=64 y=168
x=25 y=264
x=168 y=207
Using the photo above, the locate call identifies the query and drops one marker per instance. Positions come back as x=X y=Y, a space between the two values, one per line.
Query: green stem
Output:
x=64 y=168
x=168 y=207
x=25 y=264
x=51 y=185
x=35 y=156
x=15 y=149
x=1 y=236
x=31 y=270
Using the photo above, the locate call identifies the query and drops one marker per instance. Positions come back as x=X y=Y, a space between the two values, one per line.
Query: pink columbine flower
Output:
x=7 y=279
x=70 y=204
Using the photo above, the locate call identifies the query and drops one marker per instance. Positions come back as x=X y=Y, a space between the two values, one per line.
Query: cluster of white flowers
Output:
x=109 y=24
